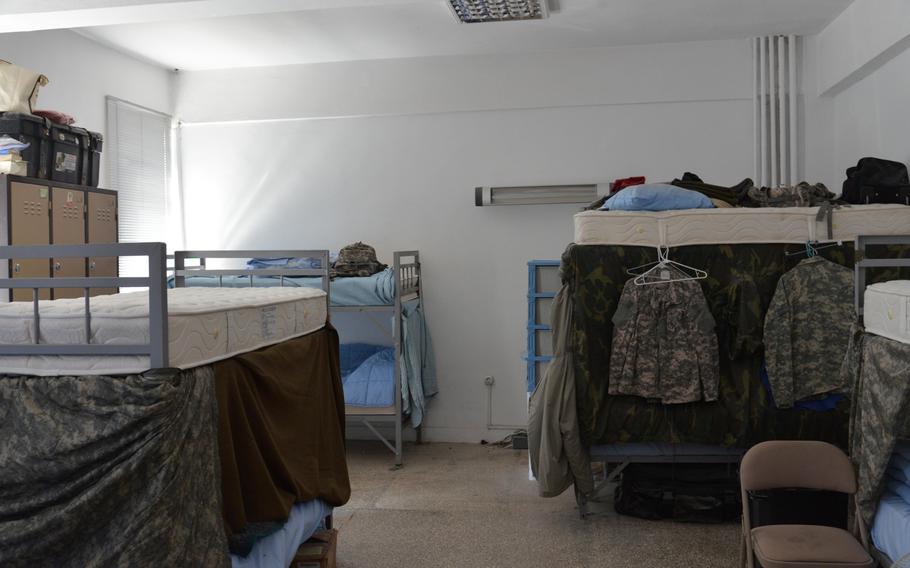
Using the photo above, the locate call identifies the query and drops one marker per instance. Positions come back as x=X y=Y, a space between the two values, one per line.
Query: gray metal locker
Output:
x=29 y=224
x=102 y=228
x=42 y=212
x=68 y=228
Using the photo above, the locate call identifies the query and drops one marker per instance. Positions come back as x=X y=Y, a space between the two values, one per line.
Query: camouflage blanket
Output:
x=881 y=414
x=741 y=281
x=128 y=477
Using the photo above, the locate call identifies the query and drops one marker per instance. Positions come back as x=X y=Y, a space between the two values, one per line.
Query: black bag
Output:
x=874 y=180
x=701 y=493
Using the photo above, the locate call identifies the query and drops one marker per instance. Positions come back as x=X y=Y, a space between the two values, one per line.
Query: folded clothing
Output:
x=734 y=195
x=622 y=183
x=55 y=116
x=657 y=197
x=291 y=263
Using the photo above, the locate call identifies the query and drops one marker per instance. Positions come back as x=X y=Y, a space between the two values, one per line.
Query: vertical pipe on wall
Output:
x=756 y=110
x=763 y=104
x=782 y=89
x=773 y=87
x=794 y=122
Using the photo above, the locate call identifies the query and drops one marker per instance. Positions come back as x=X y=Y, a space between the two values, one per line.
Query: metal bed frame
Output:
x=156 y=348
x=406 y=272
x=863 y=262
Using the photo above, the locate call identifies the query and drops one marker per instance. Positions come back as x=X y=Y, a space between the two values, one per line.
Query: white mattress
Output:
x=737 y=225
x=886 y=310
x=204 y=325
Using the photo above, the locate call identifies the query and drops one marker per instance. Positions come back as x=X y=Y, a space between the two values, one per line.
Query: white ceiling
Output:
x=309 y=31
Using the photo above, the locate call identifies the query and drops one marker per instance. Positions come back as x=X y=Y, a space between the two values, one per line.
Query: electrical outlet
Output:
x=489 y=381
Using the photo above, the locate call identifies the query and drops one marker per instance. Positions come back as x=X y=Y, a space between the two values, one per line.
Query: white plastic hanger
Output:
x=665 y=270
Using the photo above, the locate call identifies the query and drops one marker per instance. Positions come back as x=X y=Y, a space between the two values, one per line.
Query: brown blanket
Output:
x=280 y=432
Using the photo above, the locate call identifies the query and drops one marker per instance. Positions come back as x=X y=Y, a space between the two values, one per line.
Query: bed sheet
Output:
x=279 y=548
x=373 y=382
x=891 y=527
x=375 y=290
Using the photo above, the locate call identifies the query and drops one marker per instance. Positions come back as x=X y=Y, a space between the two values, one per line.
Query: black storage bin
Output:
x=96 y=141
x=66 y=153
x=798 y=507
x=702 y=493
x=37 y=132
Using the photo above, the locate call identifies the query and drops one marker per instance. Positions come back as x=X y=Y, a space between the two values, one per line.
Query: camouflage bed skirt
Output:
x=741 y=281
x=881 y=414
x=111 y=471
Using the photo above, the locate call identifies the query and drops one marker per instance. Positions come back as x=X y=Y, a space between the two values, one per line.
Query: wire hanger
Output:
x=665 y=270
x=812 y=248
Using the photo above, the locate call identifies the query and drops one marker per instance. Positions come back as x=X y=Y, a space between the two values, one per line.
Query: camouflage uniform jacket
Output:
x=664 y=344
x=807 y=330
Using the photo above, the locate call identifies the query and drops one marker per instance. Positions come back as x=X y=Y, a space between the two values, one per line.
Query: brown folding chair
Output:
x=800 y=465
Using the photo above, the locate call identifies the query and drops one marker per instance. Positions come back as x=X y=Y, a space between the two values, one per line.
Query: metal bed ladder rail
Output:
x=864 y=263
x=406 y=274
x=156 y=349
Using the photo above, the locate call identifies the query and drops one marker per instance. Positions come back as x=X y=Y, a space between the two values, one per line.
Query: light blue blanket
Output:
x=375 y=290
x=368 y=372
x=371 y=383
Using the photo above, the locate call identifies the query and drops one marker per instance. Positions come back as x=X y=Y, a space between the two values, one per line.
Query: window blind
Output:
x=138 y=158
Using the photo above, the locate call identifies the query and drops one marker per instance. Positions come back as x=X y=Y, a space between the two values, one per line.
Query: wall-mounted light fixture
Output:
x=476 y=11
x=540 y=194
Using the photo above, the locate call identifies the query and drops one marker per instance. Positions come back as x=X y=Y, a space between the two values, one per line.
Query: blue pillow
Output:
x=657 y=197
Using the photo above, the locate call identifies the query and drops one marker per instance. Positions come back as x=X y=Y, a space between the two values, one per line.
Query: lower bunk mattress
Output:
x=741 y=281
x=204 y=326
x=170 y=467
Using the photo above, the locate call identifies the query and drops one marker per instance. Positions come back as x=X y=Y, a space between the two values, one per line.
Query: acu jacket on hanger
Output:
x=664 y=344
x=807 y=330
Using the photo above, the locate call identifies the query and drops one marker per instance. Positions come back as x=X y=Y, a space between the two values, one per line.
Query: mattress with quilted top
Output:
x=204 y=326
x=738 y=225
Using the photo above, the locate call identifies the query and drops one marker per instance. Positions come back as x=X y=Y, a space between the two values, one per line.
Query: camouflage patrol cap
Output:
x=357 y=253
x=357 y=259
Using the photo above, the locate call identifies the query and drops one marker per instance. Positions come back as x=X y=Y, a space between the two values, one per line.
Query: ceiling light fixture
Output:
x=477 y=11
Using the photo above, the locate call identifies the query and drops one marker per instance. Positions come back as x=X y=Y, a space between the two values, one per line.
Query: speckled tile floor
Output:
x=464 y=505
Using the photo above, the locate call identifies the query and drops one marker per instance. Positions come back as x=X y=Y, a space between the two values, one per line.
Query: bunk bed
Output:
x=744 y=251
x=880 y=432
x=371 y=375
x=143 y=428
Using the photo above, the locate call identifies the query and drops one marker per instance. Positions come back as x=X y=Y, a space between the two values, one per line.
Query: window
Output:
x=139 y=168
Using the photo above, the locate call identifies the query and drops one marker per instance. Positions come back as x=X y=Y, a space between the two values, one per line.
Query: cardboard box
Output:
x=318 y=552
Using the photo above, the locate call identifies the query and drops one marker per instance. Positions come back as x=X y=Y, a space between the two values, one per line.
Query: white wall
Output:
x=858 y=89
x=82 y=72
x=389 y=153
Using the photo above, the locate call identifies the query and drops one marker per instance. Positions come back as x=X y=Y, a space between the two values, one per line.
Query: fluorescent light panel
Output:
x=477 y=11
x=539 y=194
